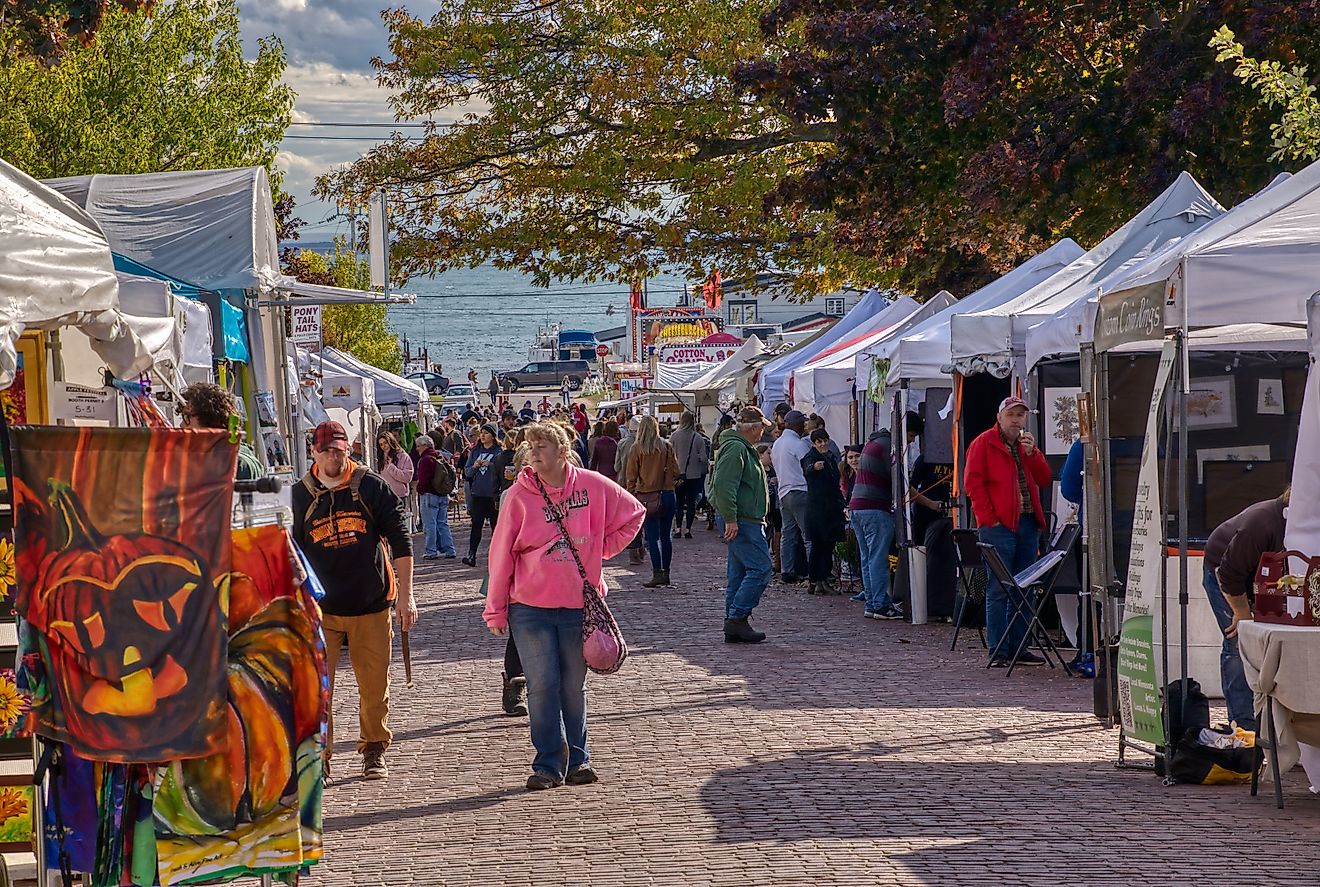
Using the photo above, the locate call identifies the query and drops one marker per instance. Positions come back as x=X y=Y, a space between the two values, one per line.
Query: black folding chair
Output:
x=972 y=580
x=1028 y=602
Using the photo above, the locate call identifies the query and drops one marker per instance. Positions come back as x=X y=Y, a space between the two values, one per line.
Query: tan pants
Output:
x=370 y=646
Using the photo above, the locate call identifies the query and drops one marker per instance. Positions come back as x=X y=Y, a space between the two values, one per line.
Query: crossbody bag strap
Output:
x=563 y=530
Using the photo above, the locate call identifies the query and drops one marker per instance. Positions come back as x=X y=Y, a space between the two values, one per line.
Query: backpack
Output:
x=443 y=479
x=354 y=487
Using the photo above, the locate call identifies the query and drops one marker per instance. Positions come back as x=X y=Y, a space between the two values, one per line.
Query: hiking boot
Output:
x=740 y=631
x=687 y=534
x=373 y=762
x=657 y=580
x=539 y=782
x=470 y=561
x=664 y=574
x=511 y=698
x=678 y=534
x=635 y=556
x=583 y=775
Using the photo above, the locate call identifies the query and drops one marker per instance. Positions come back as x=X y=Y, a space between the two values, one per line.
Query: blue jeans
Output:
x=874 y=530
x=435 y=524
x=658 y=529
x=1004 y=626
x=750 y=569
x=792 y=541
x=1237 y=693
x=549 y=642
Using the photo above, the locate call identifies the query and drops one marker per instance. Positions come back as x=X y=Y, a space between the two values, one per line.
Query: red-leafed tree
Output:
x=42 y=28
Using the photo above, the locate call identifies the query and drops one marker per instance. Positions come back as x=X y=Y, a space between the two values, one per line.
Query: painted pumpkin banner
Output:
x=256 y=808
x=122 y=537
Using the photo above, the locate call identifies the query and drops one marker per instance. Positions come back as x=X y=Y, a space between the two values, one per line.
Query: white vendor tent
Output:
x=922 y=353
x=56 y=271
x=994 y=339
x=720 y=384
x=1256 y=264
x=1303 y=532
x=177 y=331
x=772 y=387
x=391 y=391
x=826 y=385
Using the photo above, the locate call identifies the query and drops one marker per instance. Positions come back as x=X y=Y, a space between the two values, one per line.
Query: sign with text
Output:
x=1135 y=315
x=696 y=353
x=1138 y=689
x=306 y=326
x=80 y=403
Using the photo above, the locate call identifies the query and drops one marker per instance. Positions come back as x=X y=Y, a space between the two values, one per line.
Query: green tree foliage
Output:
x=599 y=142
x=43 y=29
x=154 y=93
x=362 y=330
x=1297 y=134
x=972 y=135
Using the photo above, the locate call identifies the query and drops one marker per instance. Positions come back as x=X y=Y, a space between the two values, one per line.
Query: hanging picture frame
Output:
x=1062 y=423
x=1211 y=404
x=1269 y=397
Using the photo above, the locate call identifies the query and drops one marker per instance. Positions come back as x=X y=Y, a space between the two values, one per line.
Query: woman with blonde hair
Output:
x=558 y=525
x=652 y=476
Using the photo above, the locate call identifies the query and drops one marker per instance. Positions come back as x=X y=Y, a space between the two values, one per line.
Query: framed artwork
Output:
x=1269 y=397
x=1259 y=453
x=1062 y=423
x=1210 y=404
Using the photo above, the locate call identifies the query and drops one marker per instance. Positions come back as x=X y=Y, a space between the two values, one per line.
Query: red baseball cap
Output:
x=329 y=436
x=1009 y=402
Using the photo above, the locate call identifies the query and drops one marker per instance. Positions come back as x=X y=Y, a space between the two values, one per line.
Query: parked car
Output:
x=434 y=383
x=548 y=373
x=459 y=397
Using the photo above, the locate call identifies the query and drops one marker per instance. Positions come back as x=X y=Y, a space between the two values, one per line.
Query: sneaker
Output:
x=790 y=579
x=373 y=764
x=687 y=534
x=450 y=557
x=858 y=597
x=871 y=614
x=470 y=561
x=890 y=612
x=999 y=662
x=539 y=782
x=1030 y=658
x=1085 y=666
x=430 y=557
x=583 y=775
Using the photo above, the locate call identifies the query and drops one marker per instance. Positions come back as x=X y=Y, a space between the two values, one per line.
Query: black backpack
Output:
x=443 y=479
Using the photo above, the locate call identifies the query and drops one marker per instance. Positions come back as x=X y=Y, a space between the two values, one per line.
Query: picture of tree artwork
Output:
x=122 y=539
x=1061 y=426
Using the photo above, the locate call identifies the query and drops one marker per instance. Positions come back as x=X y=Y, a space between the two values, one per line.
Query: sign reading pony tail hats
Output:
x=122 y=542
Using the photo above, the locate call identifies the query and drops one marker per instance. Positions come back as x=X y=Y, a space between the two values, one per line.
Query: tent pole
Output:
x=1184 y=388
x=1170 y=413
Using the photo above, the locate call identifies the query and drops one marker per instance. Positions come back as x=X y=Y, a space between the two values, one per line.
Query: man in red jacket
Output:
x=1005 y=471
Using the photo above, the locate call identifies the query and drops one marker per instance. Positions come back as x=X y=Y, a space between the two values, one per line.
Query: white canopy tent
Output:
x=391 y=391
x=56 y=271
x=1254 y=264
x=719 y=386
x=826 y=385
x=772 y=387
x=994 y=340
x=923 y=353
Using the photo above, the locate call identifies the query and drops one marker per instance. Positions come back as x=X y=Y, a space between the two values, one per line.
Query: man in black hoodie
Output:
x=484 y=484
x=344 y=518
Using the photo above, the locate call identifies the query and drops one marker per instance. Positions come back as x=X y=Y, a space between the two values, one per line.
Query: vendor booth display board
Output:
x=175 y=669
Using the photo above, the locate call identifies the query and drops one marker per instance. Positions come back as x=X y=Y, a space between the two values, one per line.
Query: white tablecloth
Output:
x=1283 y=662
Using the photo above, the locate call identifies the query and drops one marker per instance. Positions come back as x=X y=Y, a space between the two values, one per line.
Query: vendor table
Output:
x=1282 y=665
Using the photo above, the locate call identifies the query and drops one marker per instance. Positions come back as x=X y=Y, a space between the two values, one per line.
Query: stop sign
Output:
x=602 y=350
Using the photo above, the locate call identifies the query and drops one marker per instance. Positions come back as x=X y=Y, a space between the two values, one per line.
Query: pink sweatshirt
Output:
x=530 y=564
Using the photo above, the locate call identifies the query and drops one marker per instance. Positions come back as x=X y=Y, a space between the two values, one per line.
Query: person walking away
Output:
x=436 y=480
x=535 y=592
x=605 y=449
x=493 y=389
x=1232 y=555
x=396 y=467
x=483 y=487
x=872 y=510
x=693 y=452
x=205 y=405
x=652 y=475
x=1005 y=471
x=825 y=506
x=354 y=533
x=787 y=456
x=739 y=493
x=773 y=520
x=637 y=548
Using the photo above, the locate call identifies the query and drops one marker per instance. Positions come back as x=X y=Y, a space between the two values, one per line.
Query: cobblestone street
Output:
x=841 y=751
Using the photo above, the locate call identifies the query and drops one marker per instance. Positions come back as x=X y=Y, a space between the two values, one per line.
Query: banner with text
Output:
x=1138 y=690
x=306 y=326
x=1135 y=315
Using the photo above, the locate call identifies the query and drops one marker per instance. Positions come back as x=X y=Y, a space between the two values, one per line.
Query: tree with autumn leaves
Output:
x=912 y=144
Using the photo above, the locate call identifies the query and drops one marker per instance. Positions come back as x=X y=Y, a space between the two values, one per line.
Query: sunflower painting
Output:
x=8 y=575
x=14 y=704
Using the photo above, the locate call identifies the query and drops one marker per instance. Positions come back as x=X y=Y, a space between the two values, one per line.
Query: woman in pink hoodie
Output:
x=536 y=591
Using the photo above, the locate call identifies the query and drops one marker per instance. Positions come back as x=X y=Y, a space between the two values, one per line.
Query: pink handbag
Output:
x=603 y=645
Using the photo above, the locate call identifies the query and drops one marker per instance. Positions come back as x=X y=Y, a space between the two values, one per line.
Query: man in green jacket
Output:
x=739 y=495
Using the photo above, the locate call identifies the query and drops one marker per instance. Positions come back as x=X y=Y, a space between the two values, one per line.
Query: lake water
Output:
x=487 y=318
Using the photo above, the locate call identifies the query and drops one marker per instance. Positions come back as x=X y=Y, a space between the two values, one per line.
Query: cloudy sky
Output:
x=330 y=44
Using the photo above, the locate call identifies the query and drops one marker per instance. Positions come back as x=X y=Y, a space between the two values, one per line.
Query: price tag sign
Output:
x=79 y=403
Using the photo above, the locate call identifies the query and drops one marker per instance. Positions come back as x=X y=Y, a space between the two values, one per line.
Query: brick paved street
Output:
x=842 y=751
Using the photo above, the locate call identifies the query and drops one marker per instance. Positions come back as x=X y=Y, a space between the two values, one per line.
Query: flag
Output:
x=713 y=290
x=637 y=296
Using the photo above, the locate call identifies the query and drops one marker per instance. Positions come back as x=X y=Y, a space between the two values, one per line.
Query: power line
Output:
x=386 y=124
x=351 y=138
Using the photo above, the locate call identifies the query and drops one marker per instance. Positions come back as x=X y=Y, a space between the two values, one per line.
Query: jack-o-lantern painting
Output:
x=122 y=537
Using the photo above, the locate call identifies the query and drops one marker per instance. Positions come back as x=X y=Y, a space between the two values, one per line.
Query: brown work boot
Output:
x=373 y=762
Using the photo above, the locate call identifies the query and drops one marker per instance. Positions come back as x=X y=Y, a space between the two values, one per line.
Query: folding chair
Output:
x=971 y=582
x=1027 y=602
